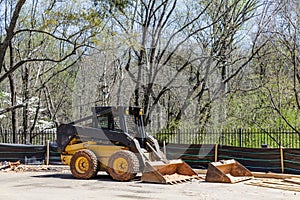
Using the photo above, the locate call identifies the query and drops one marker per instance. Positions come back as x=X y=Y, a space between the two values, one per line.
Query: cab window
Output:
x=109 y=122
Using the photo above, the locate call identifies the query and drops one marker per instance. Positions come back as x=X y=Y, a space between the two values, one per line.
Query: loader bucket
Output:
x=227 y=171
x=175 y=171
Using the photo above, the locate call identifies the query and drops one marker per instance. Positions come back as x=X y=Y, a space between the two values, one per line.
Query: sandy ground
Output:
x=59 y=184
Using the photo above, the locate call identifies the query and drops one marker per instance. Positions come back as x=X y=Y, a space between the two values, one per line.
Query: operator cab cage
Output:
x=120 y=118
x=111 y=120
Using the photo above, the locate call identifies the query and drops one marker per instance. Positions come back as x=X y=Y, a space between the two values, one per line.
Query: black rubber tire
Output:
x=123 y=165
x=84 y=164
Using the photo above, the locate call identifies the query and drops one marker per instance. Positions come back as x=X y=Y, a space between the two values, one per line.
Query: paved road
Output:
x=62 y=186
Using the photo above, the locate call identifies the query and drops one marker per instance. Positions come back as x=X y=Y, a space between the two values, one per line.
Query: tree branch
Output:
x=10 y=31
x=11 y=108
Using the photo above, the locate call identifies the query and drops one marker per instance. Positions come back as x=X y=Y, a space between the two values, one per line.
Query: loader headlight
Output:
x=141 y=112
x=126 y=111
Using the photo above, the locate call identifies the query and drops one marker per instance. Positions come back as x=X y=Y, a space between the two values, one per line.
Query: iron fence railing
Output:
x=252 y=138
x=36 y=137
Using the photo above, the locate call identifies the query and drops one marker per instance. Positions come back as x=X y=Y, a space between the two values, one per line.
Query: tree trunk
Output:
x=25 y=79
x=14 y=113
x=13 y=99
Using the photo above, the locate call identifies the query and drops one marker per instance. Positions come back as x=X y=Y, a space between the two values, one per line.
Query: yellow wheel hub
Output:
x=120 y=165
x=82 y=165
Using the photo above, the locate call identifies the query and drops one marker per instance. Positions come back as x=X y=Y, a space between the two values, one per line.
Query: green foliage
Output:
x=1 y=95
x=271 y=105
x=110 y=5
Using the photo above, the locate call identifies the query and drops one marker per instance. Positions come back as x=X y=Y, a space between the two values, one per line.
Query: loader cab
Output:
x=120 y=119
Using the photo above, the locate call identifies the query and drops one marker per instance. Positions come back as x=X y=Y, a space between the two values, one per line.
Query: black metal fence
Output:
x=251 y=138
x=37 y=137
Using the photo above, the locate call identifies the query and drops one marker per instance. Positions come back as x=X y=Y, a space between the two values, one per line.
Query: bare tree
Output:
x=195 y=43
x=269 y=89
x=40 y=43
x=155 y=41
x=285 y=42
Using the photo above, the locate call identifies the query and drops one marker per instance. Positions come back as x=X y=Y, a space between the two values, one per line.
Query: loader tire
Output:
x=84 y=164
x=123 y=165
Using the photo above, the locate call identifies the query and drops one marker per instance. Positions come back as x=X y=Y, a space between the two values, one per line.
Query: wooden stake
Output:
x=216 y=152
x=282 y=159
x=165 y=150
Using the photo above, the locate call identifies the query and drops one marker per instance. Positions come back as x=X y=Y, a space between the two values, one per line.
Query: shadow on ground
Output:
x=100 y=177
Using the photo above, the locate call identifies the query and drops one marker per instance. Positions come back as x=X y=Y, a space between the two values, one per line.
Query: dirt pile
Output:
x=6 y=166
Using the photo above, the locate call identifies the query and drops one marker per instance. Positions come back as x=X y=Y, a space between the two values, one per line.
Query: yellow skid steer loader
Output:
x=113 y=139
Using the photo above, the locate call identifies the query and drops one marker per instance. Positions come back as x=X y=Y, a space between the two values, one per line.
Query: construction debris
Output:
x=274 y=175
x=10 y=166
x=282 y=184
x=293 y=180
x=18 y=167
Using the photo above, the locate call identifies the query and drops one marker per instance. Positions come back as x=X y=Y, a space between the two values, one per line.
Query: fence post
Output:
x=5 y=137
x=48 y=152
x=165 y=149
x=281 y=159
x=216 y=152
x=240 y=136
x=178 y=136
